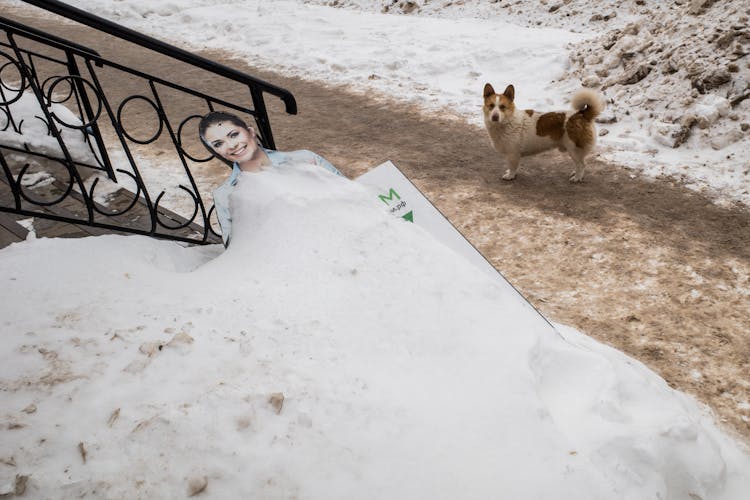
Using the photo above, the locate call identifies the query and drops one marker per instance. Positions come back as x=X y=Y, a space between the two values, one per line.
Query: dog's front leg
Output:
x=512 y=159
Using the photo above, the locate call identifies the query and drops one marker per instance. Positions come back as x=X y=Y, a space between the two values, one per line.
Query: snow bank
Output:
x=432 y=62
x=29 y=128
x=332 y=351
x=24 y=127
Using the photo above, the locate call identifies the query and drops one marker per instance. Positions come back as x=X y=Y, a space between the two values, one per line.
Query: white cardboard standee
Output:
x=403 y=199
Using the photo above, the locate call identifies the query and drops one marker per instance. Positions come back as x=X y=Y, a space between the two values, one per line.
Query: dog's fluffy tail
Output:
x=588 y=103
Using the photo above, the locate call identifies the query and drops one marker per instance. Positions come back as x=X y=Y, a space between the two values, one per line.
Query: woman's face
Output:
x=232 y=142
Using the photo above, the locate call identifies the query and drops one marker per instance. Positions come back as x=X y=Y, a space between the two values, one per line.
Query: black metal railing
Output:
x=77 y=131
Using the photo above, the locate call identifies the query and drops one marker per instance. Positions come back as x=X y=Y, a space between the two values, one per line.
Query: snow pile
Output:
x=333 y=351
x=680 y=73
x=23 y=125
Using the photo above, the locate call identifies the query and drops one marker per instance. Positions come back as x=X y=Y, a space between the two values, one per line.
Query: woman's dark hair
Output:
x=213 y=118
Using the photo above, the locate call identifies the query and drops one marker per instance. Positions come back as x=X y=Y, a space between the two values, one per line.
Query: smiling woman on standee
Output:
x=227 y=136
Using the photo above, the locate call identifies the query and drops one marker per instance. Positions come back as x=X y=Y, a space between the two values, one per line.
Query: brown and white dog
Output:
x=515 y=133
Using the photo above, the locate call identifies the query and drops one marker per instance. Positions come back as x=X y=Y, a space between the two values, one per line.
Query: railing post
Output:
x=83 y=96
x=261 y=118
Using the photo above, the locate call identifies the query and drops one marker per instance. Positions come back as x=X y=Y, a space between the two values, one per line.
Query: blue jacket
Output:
x=221 y=193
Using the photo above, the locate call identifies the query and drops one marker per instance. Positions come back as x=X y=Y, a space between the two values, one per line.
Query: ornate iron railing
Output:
x=75 y=147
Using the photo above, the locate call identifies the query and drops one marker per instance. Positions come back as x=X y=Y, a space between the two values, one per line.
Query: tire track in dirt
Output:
x=647 y=266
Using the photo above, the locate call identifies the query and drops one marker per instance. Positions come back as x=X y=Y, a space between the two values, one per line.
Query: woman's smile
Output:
x=239 y=150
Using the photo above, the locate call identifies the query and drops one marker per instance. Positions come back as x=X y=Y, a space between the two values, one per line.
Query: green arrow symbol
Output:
x=409 y=216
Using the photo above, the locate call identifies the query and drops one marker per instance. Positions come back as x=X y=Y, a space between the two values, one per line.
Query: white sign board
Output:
x=403 y=199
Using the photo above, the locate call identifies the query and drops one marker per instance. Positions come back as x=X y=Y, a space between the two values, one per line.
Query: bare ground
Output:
x=647 y=266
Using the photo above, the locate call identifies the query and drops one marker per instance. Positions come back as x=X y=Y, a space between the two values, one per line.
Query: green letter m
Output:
x=389 y=196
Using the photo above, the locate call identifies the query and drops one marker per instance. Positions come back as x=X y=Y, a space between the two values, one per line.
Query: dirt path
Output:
x=648 y=267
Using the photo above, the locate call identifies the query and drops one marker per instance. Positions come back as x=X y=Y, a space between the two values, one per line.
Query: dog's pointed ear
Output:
x=510 y=92
x=488 y=90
